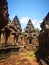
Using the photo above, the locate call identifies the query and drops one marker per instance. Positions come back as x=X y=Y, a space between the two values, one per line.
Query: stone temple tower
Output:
x=4 y=16
x=17 y=25
x=43 y=37
x=29 y=33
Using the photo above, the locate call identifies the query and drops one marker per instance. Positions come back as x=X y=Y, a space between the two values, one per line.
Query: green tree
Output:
x=36 y=31
x=23 y=33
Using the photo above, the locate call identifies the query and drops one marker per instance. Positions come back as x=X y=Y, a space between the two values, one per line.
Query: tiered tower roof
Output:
x=29 y=30
x=29 y=27
x=17 y=25
x=45 y=23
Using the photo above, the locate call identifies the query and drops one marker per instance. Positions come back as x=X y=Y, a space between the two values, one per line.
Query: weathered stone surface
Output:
x=43 y=51
x=17 y=25
x=45 y=23
x=4 y=16
x=44 y=37
x=29 y=33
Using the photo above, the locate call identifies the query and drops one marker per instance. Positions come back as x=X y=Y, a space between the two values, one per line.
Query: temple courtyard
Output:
x=23 y=57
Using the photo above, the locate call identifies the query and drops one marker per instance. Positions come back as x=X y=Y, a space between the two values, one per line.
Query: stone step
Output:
x=43 y=62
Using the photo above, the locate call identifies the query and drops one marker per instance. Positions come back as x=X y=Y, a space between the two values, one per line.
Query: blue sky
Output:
x=36 y=10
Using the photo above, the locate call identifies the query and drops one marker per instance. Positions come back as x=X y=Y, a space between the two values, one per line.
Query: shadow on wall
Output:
x=42 y=53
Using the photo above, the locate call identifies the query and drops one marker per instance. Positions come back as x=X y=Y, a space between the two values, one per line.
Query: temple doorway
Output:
x=30 y=41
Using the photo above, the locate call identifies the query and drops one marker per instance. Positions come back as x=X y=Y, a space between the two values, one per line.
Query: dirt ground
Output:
x=22 y=58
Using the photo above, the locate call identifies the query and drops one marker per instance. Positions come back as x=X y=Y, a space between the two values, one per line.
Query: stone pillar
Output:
x=15 y=40
x=19 y=40
x=23 y=41
x=27 y=41
x=11 y=39
x=2 y=38
x=8 y=41
x=33 y=40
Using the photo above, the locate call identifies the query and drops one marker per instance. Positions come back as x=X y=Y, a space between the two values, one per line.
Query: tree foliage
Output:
x=36 y=31
x=23 y=33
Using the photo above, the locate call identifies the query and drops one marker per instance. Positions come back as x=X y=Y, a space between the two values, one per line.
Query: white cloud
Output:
x=24 y=21
x=36 y=23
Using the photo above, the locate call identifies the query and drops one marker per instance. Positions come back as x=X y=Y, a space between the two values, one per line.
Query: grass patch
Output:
x=30 y=55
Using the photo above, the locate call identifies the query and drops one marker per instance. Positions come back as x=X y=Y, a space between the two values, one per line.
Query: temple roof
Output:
x=17 y=24
x=47 y=16
x=45 y=22
x=29 y=22
x=29 y=30
x=15 y=20
x=29 y=26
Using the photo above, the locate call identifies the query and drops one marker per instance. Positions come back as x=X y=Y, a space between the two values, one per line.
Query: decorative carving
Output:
x=29 y=33
x=4 y=16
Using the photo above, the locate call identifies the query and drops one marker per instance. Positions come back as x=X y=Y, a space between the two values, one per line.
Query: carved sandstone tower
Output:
x=29 y=33
x=11 y=34
x=4 y=17
x=44 y=38
x=17 y=25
